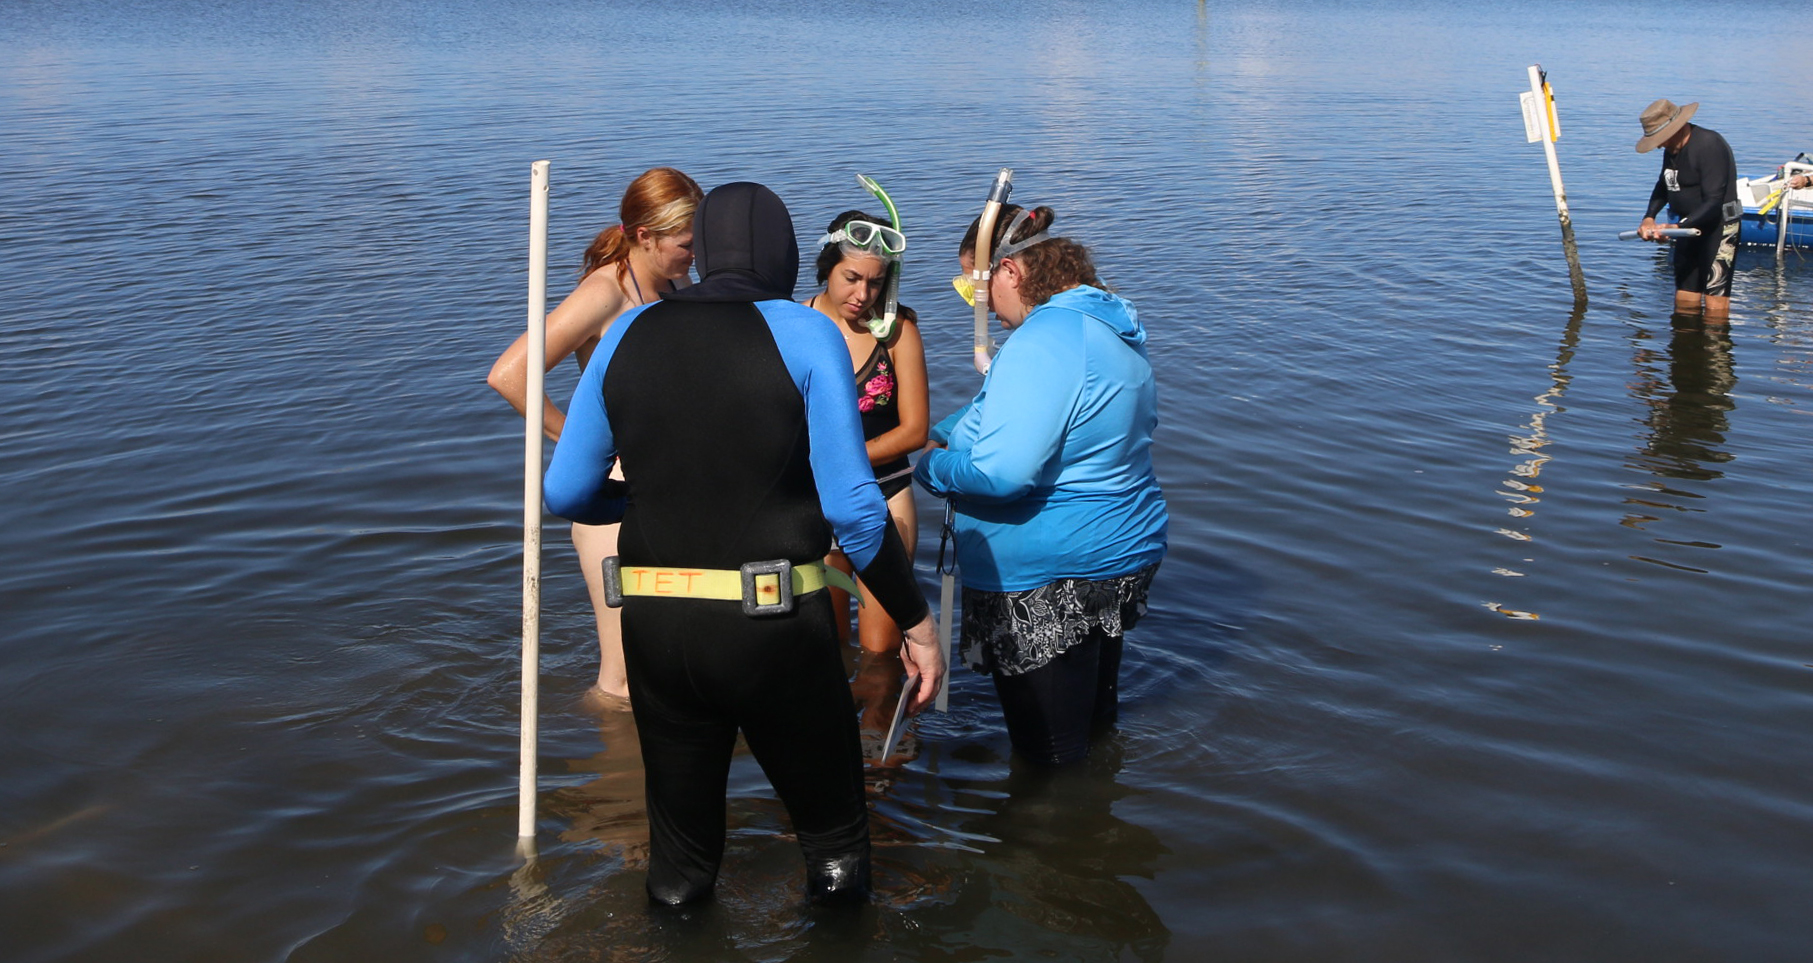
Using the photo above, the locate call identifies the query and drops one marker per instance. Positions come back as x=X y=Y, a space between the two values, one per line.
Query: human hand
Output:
x=1647 y=229
x=922 y=655
x=1799 y=181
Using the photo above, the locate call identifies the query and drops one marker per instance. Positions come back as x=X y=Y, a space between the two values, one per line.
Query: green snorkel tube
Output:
x=979 y=273
x=883 y=328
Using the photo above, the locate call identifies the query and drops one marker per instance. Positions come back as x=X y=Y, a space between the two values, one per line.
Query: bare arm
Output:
x=573 y=328
x=910 y=395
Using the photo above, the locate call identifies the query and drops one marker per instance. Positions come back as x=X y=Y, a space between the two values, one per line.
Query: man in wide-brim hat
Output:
x=1698 y=183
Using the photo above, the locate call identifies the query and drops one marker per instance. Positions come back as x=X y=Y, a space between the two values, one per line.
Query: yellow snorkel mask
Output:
x=966 y=289
x=966 y=286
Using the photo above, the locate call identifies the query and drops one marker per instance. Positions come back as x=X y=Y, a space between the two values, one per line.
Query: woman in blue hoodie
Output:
x=1060 y=523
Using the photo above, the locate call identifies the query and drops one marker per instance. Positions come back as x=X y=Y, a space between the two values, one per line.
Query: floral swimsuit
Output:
x=875 y=399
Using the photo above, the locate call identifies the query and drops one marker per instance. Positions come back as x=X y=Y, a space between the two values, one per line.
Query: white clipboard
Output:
x=896 y=729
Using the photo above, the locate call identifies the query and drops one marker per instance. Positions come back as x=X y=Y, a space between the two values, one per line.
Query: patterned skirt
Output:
x=1016 y=632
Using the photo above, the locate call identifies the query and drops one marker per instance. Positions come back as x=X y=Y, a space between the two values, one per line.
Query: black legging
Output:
x=1052 y=710
x=701 y=670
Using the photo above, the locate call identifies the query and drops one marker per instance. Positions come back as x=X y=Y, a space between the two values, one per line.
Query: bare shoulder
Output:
x=906 y=329
x=596 y=301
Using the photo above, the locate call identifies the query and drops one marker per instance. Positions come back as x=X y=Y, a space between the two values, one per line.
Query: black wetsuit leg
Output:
x=1693 y=262
x=812 y=753
x=1053 y=710
x=698 y=671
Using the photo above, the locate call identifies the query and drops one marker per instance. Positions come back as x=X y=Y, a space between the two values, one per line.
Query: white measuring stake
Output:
x=945 y=593
x=1781 y=223
x=536 y=365
x=1541 y=122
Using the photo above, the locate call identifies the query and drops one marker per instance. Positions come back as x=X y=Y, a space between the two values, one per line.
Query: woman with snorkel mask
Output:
x=1059 y=520
x=858 y=256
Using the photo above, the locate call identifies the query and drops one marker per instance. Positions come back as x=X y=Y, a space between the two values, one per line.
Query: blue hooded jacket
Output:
x=1051 y=465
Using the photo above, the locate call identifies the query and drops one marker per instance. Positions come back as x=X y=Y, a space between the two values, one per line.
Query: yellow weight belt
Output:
x=757 y=585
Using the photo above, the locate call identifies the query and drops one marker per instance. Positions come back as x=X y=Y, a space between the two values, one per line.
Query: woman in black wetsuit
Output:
x=853 y=262
x=731 y=409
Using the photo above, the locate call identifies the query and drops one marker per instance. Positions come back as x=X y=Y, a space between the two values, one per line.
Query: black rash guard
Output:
x=734 y=414
x=1697 y=182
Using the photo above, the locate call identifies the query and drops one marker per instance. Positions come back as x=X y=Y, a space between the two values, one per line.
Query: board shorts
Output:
x=1703 y=264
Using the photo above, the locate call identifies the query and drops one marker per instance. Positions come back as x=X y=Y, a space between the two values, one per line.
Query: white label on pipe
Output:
x=1532 y=117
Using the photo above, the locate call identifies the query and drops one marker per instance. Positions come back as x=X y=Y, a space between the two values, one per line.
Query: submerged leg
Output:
x=801 y=727
x=1052 y=710
x=594 y=543
x=686 y=748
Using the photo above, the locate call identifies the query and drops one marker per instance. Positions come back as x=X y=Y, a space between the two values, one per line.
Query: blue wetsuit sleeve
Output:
x=578 y=483
x=848 y=496
x=1032 y=387
x=816 y=358
x=941 y=432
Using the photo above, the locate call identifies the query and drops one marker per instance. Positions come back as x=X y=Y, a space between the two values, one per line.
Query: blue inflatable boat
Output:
x=1763 y=199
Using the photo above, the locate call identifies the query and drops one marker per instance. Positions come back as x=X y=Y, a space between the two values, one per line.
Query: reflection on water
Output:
x=972 y=843
x=1791 y=329
x=1686 y=417
x=1688 y=406
x=610 y=809
x=1202 y=41
x=1524 y=490
x=1060 y=858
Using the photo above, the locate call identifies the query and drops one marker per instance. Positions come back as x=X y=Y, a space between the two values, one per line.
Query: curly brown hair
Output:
x=1052 y=265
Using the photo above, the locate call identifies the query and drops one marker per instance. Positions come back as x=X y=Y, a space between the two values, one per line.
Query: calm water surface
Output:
x=1483 y=632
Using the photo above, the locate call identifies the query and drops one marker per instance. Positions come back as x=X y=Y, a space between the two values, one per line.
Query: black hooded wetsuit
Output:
x=733 y=412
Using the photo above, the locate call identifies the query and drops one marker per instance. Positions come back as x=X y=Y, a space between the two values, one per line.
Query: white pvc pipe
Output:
x=1548 y=149
x=1781 y=231
x=536 y=365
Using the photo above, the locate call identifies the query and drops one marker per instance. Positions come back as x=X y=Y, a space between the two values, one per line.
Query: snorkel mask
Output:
x=966 y=288
x=889 y=243
x=872 y=238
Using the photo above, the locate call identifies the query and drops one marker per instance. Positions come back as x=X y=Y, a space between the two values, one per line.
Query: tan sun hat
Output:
x=1660 y=121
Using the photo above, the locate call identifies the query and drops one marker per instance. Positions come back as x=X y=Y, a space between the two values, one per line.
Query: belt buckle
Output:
x=613 y=582
x=781 y=592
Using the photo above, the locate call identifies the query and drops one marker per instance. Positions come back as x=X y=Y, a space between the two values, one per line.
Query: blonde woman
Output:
x=632 y=262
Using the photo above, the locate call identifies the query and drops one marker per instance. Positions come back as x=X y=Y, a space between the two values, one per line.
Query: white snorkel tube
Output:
x=979 y=272
x=883 y=329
